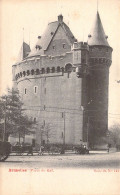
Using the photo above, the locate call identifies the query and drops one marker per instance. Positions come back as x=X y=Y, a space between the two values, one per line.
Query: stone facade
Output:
x=64 y=86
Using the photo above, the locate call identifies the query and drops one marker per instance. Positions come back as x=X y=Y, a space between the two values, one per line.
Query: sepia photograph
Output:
x=59 y=97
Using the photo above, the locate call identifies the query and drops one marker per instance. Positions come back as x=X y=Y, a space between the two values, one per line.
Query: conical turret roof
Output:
x=24 y=51
x=97 y=35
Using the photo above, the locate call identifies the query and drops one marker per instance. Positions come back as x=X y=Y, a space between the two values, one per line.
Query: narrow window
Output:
x=25 y=91
x=53 y=46
x=35 y=89
x=34 y=120
x=24 y=73
x=63 y=45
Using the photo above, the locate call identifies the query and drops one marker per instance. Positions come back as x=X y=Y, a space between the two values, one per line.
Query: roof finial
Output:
x=83 y=34
x=29 y=37
x=60 y=18
x=61 y=10
x=23 y=34
x=97 y=5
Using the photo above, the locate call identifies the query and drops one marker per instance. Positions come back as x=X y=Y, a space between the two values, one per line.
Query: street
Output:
x=93 y=160
x=60 y=174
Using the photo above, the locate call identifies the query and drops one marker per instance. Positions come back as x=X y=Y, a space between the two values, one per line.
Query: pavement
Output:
x=69 y=152
x=107 y=160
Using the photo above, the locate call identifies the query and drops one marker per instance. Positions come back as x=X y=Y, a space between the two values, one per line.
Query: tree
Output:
x=115 y=134
x=13 y=121
x=46 y=132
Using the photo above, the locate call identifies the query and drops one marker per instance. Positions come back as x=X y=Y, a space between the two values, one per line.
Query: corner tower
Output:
x=96 y=110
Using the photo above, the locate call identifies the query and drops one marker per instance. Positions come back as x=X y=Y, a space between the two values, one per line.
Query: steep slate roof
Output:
x=24 y=51
x=48 y=35
x=97 y=35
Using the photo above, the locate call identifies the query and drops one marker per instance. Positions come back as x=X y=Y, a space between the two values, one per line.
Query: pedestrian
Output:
x=108 y=148
x=41 y=150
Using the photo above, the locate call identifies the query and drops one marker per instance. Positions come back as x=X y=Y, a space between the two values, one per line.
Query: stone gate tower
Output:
x=64 y=85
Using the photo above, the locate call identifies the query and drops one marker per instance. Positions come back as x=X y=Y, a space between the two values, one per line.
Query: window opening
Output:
x=35 y=89
x=32 y=72
x=48 y=70
x=28 y=72
x=35 y=120
x=25 y=91
x=43 y=70
x=37 y=71
x=24 y=73
x=53 y=69
x=63 y=45
x=58 y=69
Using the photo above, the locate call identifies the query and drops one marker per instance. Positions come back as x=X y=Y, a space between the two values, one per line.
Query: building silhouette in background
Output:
x=64 y=85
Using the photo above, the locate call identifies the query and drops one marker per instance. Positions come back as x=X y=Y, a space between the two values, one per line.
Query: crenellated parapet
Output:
x=44 y=65
x=100 y=55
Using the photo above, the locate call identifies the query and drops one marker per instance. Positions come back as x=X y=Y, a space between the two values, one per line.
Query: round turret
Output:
x=98 y=81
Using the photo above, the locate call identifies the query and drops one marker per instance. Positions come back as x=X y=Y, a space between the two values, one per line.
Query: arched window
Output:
x=53 y=69
x=68 y=68
x=24 y=73
x=28 y=72
x=35 y=89
x=37 y=71
x=43 y=70
x=32 y=72
x=58 y=69
x=20 y=74
x=48 y=70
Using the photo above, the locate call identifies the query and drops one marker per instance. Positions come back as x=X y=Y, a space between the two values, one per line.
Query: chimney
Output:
x=60 y=18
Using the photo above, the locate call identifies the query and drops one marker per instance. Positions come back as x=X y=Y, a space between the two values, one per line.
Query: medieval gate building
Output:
x=64 y=84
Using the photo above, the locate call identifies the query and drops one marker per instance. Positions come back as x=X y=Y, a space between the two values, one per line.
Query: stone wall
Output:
x=52 y=98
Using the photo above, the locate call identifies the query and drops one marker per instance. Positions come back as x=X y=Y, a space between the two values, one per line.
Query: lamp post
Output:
x=64 y=133
x=63 y=116
x=88 y=129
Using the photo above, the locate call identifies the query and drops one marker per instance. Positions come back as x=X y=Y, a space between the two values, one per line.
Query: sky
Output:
x=79 y=15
